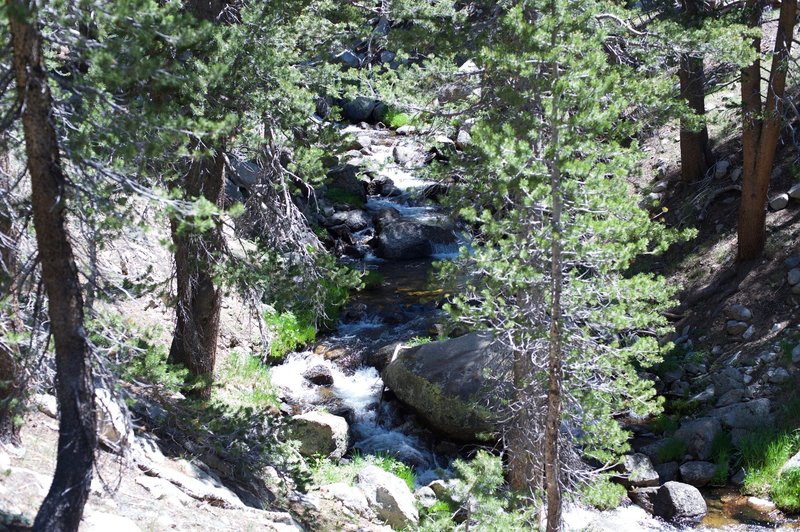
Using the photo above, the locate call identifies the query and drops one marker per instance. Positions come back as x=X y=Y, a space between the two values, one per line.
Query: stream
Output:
x=403 y=307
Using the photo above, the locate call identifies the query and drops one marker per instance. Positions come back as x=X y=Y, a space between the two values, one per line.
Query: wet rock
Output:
x=739 y=313
x=385 y=216
x=674 y=501
x=761 y=505
x=388 y=496
x=381 y=358
x=449 y=383
x=748 y=415
x=667 y=472
x=698 y=435
x=320 y=433
x=353 y=220
x=319 y=374
x=410 y=239
x=793 y=276
x=637 y=471
x=698 y=473
x=779 y=202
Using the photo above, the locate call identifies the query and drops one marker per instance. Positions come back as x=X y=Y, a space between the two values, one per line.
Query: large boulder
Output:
x=637 y=471
x=674 y=501
x=748 y=415
x=451 y=384
x=698 y=435
x=320 y=433
x=364 y=109
x=114 y=428
x=388 y=496
x=410 y=239
x=353 y=220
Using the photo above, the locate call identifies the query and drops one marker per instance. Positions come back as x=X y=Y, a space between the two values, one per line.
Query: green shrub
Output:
x=288 y=331
x=395 y=119
x=785 y=492
x=151 y=365
x=672 y=450
x=602 y=493
x=325 y=471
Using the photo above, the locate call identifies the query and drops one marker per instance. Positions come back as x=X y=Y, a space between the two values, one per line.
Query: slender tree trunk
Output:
x=695 y=150
x=63 y=507
x=194 y=343
x=524 y=457
x=10 y=376
x=761 y=131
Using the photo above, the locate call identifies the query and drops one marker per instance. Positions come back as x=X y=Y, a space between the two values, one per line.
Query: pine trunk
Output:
x=695 y=151
x=63 y=506
x=524 y=457
x=760 y=134
x=194 y=343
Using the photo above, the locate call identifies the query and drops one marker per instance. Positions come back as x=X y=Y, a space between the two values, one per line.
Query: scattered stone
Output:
x=698 y=435
x=698 y=473
x=354 y=220
x=320 y=433
x=767 y=358
x=778 y=376
x=637 y=471
x=796 y=354
x=388 y=496
x=705 y=396
x=779 y=202
x=748 y=334
x=736 y=174
x=716 y=350
x=693 y=368
x=319 y=374
x=114 y=428
x=426 y=497
x=463 y=139
x=645 y=498
x=350 y=496
x=738 y=478
x=439 y=488
x=721 y=168
x=680 y=503
x=727 y=379
x=680 y=389
x=407 y=129
x=672 y=375
x=793 y=276
x=667 y=472
x=748 y=415
x=364 y=109
x=739 y=313
x=732 y=396
x=735 y=328
x=792 y=262
x=345 y=178
x=46 y=404
x=794 y=192
x=408 y=154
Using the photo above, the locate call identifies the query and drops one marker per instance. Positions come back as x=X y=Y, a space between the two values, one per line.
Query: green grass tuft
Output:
x=763 y=453
x=785 y=492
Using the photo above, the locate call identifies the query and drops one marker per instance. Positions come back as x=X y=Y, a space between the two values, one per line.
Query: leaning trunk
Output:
x=63 y=506
x=194 y=343
x=695 y=150
x=760 y=135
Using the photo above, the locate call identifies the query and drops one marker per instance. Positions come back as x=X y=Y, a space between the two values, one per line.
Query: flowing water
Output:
x=403 y=307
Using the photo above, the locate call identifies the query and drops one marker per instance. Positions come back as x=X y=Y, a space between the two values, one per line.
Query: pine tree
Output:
x=559 y=231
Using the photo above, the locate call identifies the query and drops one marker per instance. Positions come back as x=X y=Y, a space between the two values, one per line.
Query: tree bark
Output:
x=524 y=455
x=696 y=154
x=761 y=131
x=194 y=343
x=63 y=506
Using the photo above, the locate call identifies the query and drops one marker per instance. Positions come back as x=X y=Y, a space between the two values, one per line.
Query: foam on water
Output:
x=350 y=330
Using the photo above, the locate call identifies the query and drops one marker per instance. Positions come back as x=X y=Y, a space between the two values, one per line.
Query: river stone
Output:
x=698 y=434
x=779 y=202
x=637 y=471
x=320 y=433
x=319 y=374
x=732 y=396
x=676 y=502
x=381 y=357
x=410 y=239
x=388 y=496
x=697 y=473
x=451 y=383
x=748 y=415
x=354 y=220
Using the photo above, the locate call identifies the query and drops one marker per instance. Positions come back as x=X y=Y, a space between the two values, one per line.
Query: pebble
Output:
x=739 y=313
x=748 y=334
x=778 y=376
x=761 y=505
x=779 y=202
x=794 y=192
x=793 y=276
x=736 y=174
x=716 y=350
x=735 y=328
